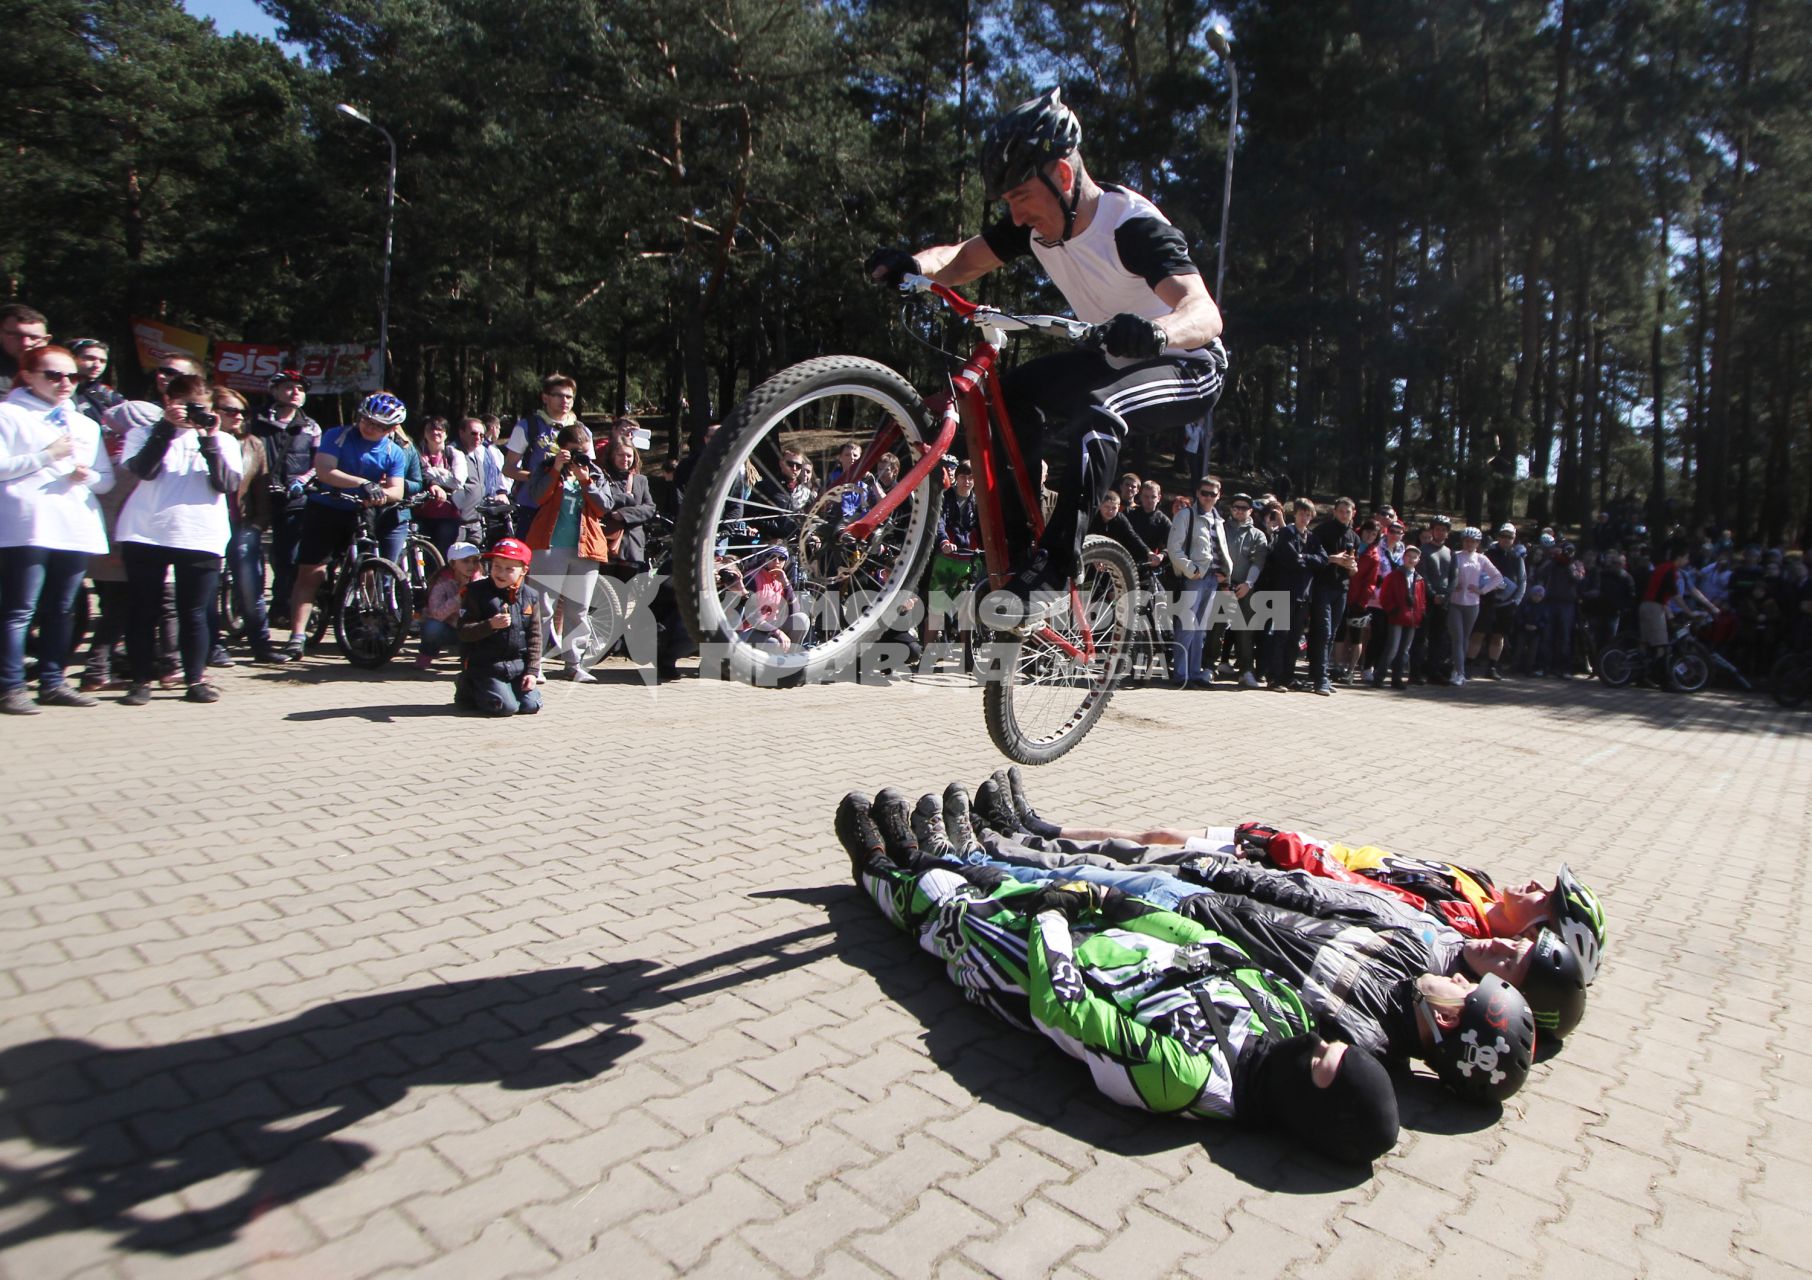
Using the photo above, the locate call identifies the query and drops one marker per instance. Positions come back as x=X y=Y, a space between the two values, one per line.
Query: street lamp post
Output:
x=1221 y=42
x=346 y=109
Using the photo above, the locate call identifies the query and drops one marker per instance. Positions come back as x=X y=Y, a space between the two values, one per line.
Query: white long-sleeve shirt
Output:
x=42 y=504
x=178 y=507
x=1473 y=577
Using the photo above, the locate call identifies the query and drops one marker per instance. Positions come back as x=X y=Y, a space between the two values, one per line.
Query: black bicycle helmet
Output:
x=1019 y=144
x=1487 y=1056
x=1555 y=987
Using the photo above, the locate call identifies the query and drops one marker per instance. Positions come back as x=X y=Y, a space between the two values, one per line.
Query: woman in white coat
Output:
x=52 y=465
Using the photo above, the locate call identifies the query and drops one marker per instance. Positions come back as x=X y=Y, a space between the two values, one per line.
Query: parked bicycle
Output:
x=1686 y=669
x=368 y=599
x=858 y=552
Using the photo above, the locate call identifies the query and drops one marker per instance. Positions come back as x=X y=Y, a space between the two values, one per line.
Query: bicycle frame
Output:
x=974 y=404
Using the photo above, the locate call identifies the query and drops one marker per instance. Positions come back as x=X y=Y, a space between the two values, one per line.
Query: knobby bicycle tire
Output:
x=1030 y=704
x=846 y=594
x=372 y=620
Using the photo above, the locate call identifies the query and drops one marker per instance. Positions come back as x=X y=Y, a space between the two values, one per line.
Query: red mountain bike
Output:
x=808 y=526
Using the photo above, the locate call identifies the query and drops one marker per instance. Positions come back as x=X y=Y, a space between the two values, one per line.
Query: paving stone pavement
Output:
x=321 y=981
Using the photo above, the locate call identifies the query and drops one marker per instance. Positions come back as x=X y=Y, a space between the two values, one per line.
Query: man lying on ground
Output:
x=1361 y=960
x=1168 y=1015
x=1467 y=899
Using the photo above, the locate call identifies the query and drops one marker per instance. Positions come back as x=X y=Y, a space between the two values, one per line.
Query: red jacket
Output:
x=1364 y=582
x=1397 y=602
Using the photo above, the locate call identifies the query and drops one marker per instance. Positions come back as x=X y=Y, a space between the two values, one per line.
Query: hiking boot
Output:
x=137 y=696
x=995 y=809
x=856 y=829
x=63 y=696
x=893 y=819
x=17 y=702
x=959 y=827
x=1028 y=816
x=928 y=828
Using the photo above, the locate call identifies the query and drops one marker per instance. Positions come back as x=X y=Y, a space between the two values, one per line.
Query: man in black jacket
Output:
x=1339 y=547
x=1289 y=568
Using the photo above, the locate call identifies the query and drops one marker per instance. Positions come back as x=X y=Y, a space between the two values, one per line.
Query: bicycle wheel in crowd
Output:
x=604 y=623
x=772 y=588
x=421 y=561
x=373 y=618
x=232 y=621
x=327 y=599
x=1616 y=665
x=1045 y=695
x=1688 y=669
x=1790 y=680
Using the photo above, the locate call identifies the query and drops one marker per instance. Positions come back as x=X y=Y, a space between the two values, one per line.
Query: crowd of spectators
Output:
x=154 y=499
x=151 y=499
x=1386 y=600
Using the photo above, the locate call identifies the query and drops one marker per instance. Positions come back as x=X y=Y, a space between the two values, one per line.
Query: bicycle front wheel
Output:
x=768 y=579
x=1790 y=680
x=373 y=618
x=1048 y=691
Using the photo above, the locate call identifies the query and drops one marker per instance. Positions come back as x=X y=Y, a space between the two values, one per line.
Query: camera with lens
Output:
x=200 y=415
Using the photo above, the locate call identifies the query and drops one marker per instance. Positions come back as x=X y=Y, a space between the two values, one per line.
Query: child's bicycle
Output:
x=859 y=553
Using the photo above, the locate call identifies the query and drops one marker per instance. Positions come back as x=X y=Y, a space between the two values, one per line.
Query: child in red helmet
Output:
x=500 y=637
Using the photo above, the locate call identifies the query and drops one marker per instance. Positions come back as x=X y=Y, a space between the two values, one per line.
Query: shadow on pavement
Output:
x=135 y=1126
x=1023 y=1074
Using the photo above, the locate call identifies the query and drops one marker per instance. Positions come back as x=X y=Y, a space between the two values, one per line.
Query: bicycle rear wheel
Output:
x=1045 y=697
x=604 y=623
x=373 y=618
x=1616 y=665
x=739 y=517
x=1688 y=669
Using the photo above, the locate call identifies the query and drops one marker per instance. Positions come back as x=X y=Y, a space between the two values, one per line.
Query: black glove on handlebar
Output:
x=1130 y=336
x=371 y=491
x=894 y=264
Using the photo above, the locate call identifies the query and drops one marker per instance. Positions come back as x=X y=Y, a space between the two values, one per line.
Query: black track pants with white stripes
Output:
x=1074 y=409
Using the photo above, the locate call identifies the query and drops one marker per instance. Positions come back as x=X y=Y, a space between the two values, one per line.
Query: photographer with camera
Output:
x=176 y=519
x=357 y=466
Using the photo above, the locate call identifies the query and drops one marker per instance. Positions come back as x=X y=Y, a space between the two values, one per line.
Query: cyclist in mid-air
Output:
x=1154 y=357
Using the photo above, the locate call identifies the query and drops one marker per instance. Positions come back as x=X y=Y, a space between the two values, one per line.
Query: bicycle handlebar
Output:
x=1003 y=322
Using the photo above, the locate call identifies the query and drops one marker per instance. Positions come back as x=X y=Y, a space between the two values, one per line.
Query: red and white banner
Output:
x=337 y=367
x=248 y=366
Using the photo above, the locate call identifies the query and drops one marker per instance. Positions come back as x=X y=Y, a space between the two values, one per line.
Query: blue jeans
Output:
x=245 y=557
x=1193 y=606
x=392 y=533
x=437 y=636
x=490 y=696
x=1327 y=610
x=35 y=580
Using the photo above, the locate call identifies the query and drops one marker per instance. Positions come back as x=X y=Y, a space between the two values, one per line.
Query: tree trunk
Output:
x=1657 y=377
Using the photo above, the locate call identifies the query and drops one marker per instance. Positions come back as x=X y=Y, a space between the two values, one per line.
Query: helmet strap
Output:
x=1068 y=206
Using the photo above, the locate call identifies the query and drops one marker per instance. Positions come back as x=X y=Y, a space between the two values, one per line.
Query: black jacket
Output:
x=1330 y=537
x=506 y=653
x=1292 y=563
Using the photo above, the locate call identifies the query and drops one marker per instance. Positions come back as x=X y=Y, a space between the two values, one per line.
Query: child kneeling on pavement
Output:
x=500 y=638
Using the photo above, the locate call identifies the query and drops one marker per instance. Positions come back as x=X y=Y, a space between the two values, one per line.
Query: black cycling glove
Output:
x=894 y=264
x=1130 y=336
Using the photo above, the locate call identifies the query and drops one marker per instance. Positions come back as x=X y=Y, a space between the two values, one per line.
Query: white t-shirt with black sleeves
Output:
x=1111 y=267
